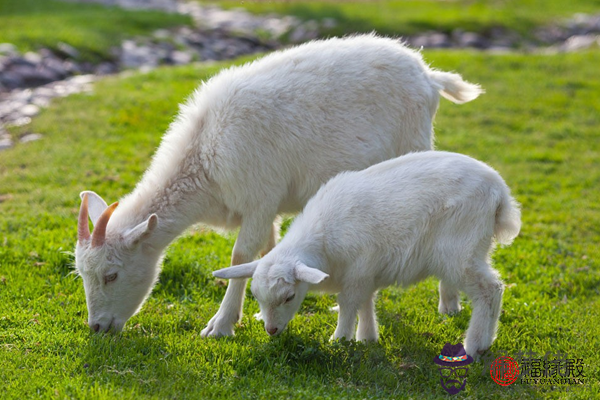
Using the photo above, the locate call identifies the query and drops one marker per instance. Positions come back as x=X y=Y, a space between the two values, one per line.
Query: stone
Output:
x=20 y=61
x=105 y=68
x=161 y=34
x=32 y=57
x=328 y=23
x=580 y=42
x=19 y=122
x=31 y=137
x=439 y=40
x=8 y=49
x=5 y=143
x=181 y=57
x=56 y=66
x=472 y=39
x=11 y=80
x=68 y=50
x=30 y=110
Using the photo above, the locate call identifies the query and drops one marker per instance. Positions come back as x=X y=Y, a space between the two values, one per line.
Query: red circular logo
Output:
x=504 y=371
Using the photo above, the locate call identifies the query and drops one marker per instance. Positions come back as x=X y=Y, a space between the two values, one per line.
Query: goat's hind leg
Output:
x=483 y=285
x=367 y=321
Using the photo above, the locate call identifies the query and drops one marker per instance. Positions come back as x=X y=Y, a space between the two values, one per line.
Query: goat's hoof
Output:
x=449 y=309
x=217 y=327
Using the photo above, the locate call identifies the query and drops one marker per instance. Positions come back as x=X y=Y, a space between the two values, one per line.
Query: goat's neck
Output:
x=178 y=204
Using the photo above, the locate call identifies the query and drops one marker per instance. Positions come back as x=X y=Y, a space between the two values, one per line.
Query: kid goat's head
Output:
x=118 y=266
x=279 y=287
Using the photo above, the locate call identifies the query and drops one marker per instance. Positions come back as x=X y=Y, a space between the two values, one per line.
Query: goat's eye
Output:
x=110 y=278
x=290 y=298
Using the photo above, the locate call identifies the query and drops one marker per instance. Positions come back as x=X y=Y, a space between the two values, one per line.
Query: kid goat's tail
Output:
x=508 y=219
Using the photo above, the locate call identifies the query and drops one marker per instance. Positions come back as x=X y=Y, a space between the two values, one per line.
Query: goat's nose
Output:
x=271 y=331
x=95 y=327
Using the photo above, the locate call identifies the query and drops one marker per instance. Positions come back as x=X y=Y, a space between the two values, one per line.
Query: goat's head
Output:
x=118 y=268
x=279 y=287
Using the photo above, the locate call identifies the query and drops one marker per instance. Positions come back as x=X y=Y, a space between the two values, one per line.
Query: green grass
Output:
x=91 y=28
x=537 y=125
x=413 y=16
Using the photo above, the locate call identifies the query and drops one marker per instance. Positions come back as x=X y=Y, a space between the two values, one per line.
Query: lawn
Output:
x=406 y=17
x=91 y=28
x=538 y=125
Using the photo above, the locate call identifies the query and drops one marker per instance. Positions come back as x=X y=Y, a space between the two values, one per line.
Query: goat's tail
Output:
x=453 y=87
x=508 y=219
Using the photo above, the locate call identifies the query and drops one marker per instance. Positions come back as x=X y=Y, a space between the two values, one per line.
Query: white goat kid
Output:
x=398 y=222
x=251 y=143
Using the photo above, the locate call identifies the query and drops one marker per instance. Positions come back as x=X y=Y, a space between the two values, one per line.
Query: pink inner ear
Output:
x=83 y=225
x=99 y=235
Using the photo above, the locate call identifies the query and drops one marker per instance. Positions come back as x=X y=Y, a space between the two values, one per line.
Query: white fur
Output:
x=256 y=141
x=395 y=223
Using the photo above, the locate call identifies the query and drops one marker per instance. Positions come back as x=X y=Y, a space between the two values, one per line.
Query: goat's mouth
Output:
x=112 y=327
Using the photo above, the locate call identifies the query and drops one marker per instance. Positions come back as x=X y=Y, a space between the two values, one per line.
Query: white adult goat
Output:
x=252 y=142
x=397 y=222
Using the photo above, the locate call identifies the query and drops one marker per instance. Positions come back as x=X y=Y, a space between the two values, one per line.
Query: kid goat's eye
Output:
x=290 y=298
x=110 y=278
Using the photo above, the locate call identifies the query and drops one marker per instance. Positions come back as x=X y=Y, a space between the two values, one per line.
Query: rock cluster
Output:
x=20 y=105
x=578 y=33
x=29 y=81
x=220 y=34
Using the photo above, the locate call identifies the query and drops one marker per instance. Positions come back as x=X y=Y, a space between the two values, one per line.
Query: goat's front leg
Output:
x=252 y=237
x=348 y=308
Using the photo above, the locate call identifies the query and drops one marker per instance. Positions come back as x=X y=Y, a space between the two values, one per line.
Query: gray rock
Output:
x=105 y=68
x=30 y=110
x=8 y=49
x=68 y=50
x=19 y=122
x=181 y=57
x=5 y=143
x=472 y=39
x=32 y=57
x=580 y=42
x=161 y=34
x=56 y=66
x=31 y=137
x=439 y=40
x=328 y=23
x=11 y=80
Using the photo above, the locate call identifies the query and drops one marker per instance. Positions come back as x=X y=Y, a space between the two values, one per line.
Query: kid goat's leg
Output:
x=253 y=236
x=483 y=285
x=449 y=298
x=348 y=307
x=367 y=322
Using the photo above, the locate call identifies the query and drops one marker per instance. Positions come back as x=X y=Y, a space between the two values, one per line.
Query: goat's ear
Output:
x=237 y=271
x=310 y=275
x=96 y=205
x=135 y=235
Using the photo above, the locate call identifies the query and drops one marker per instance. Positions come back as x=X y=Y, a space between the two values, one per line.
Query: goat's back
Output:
x=271 y=132
x=416 y=215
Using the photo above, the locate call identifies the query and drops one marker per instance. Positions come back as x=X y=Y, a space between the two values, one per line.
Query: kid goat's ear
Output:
x=237 y=271
x=310 y=275
x=96 y=205
x=141 y=231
